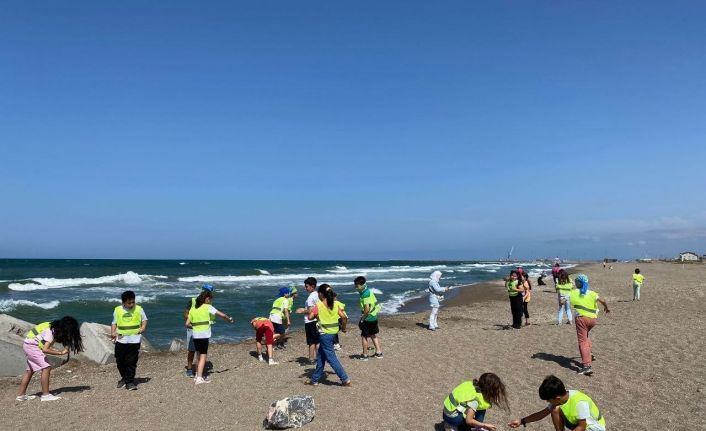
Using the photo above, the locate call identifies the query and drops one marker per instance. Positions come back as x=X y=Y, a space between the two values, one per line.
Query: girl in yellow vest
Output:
x=637 y=280
x=38 y=344
x=199 y=321
x=466 y=405
x=129 y=323
x=279 y=315
x=328 y=312
x=585 y=302
x=564 y=286
x=570 y=409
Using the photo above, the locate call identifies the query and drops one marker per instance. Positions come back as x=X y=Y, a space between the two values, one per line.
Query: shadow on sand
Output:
x=563 y=361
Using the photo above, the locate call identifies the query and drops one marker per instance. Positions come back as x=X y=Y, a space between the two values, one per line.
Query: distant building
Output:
x=688 y=256
x=609 y=260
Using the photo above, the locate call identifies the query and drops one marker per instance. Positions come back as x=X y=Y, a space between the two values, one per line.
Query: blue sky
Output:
x=366 y=130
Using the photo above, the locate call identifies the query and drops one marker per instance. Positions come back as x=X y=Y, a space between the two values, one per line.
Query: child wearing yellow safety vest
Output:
x=368 y=323
x=637 y=280
x=328 y=313
x=279 y=315
x=129 y=323
x=199 y=321
x=336 y=340
x=190 y=349
x=585 y=302
x=38 y=343
x=564 y=286
x=570 y=409
x=466 y=405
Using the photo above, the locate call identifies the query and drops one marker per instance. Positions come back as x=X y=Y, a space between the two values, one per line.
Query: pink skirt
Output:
x=36 y=360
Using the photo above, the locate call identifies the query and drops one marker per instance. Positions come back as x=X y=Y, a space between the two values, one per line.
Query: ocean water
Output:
x=40 y=290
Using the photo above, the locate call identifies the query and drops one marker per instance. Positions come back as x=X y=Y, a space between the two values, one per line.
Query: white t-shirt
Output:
x=129 y=339
x=206 y=334
x=311 y=302
x=584 y=412
x=276 y=318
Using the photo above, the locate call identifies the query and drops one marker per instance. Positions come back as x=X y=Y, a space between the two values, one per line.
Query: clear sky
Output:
x=360 y=130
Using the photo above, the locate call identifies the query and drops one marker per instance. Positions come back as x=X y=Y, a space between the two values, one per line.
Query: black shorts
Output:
x=312 y=333
x=279 y=328
x=368 y=328
x=201 y=345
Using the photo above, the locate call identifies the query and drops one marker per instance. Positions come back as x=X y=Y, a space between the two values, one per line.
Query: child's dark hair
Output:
x=515 y=272
x=326 y=290
x=564 y=277
x=67 y=332
x=551 y=388
x=359 y=280
x=637 y=270
x=201 y=299
x=127 y=295
x=311 y=281
x=493 y=390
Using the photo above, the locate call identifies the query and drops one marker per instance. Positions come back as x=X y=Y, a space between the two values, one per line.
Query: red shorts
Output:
x=267 y=331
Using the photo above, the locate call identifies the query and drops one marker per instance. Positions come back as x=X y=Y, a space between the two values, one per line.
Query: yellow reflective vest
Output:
x=570 y=409
x=585 y=305
x=459 y=399
x=200 y=319
x=33 y=333
x=128 y=321
x=328 y=319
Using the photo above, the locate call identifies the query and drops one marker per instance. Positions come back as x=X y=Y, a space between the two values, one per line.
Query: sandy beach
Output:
x=649 y=372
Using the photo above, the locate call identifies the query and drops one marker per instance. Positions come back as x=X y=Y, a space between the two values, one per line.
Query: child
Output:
x=263 y=327
x=563 y=289
x=585 y=302
x=328 y=313
x=368 y=323
x=466 y=405
x=38 y=344
x=569 y=409
x=191 y=350
x=526 y=295
x=513 y=291
x=199 y=321
x=637 y=280
x=129 y=323
x=312 y=332
x=436 y=293
x=336 y=341
x=279 y=315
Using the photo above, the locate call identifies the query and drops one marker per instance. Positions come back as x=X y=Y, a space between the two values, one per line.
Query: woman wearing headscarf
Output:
x=585 y=302
x=435 y=296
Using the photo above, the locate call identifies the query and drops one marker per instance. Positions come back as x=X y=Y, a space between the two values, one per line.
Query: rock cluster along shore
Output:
x=98 y=347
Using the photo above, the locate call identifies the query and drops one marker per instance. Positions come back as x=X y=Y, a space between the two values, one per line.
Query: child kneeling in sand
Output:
x=466 y=405
x=38 y=344
x=263 y=327
x=569 y=409
x=199 y=321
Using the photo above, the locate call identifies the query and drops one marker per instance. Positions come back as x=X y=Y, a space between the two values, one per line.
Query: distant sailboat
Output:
x=509 y=254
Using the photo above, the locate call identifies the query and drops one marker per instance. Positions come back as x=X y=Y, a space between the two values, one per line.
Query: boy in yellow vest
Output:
x=129 y=322
x=637 y=280
x=570 y=409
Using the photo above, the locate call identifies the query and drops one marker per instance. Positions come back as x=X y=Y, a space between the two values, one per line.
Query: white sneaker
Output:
x=272 y=362
x=201 y=380
x=336 y=347
x=260 y=358
x=25 y=397
x=49 y=397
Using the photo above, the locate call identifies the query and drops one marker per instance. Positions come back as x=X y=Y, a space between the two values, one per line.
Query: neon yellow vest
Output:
x=461 y=396
x=200 y=318
x=341 y=305
x=570 y=411
x=565 y=288
x=372 y=302
x=585 y=305
x=511 y=285
x=277 y=307
x=128 y=321
x=212 y=316
x=638 y=278
x=34 y=332
x=328 y=319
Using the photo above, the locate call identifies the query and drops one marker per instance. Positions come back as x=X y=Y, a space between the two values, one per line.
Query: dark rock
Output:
x=291 y=412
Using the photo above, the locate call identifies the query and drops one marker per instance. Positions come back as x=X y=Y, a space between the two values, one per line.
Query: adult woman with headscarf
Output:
x=435 y=296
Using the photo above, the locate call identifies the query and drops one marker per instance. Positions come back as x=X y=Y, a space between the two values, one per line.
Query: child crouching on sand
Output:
x=263 y=327
x=569 y=409
x=466 y=405
x=38 y=344
x=199 y=321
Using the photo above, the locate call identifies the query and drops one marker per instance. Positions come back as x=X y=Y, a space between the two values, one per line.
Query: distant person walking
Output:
x=585 y=302
x=637 y=280
x=514 y=291
x=328 y=313
x=563 y=289
x=435 y=297
x=555 y=273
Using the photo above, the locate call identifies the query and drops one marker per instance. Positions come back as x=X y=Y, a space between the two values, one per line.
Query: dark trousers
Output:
x=126 y=359
x=516 y=308
x=525 y=310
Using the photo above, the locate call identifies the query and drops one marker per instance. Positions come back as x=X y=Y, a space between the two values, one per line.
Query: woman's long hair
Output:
x=564 y=277
x=493 y=390
x=327 y=292
x=67 y=332
x=201 y=299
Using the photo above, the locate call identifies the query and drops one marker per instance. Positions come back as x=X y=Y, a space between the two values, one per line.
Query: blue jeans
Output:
x=460 y=422
x=327 y=354
x=566 y=306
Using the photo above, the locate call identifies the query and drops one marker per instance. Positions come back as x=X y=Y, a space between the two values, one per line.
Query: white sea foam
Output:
x=263 y=272
x=382 y=280
x=11 y=304
x=397 y=300
x=376 y=291
x=55 y=283
x=140 y=299
x=182 y=263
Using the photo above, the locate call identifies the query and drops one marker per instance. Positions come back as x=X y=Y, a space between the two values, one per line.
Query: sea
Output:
x=38 y=290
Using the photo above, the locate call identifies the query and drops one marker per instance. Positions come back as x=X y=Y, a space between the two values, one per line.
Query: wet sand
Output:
x=649 y=372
